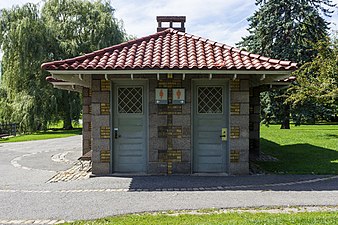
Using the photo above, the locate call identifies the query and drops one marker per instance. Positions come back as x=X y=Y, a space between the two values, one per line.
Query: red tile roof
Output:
x=170 y=49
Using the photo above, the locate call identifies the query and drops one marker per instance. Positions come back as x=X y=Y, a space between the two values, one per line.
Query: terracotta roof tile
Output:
x=170 y=49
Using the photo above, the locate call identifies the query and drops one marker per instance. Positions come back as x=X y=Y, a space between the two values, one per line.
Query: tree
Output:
x=287 y=29
x=317 y=81
x=77 y=27
x=29 y=37
x=26 y=96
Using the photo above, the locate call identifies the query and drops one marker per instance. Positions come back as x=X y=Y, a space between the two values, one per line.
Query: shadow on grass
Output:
x=299 y=159
x=331 y=136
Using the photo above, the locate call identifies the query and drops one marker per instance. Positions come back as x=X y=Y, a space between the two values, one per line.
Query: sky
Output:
x=224 y=21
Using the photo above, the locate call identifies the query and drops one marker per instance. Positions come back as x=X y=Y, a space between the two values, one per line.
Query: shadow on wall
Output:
x=299 y=159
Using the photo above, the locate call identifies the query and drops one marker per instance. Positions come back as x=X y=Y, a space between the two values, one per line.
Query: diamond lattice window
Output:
x=210 y=100
x=130 y=100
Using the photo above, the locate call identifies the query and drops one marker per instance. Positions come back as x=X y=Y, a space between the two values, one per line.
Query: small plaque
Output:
x=161 y=96
x=178 y=96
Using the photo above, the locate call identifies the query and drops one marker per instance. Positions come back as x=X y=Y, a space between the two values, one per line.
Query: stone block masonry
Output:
x=86 y=120
x=100 y=104
x=170 y=146
x=166 y=156
x=239 y=126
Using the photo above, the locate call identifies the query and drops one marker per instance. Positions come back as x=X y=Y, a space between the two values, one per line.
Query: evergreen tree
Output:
x=286 y=29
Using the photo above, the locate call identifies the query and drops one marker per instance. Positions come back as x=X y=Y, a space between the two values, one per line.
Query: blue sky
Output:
x=219 y=20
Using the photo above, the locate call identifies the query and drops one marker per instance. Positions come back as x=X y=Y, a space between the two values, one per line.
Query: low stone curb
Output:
x=80 y=171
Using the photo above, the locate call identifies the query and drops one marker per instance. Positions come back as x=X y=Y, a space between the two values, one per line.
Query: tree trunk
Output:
x=67 y=123
x=67 y=111
x=286 y=117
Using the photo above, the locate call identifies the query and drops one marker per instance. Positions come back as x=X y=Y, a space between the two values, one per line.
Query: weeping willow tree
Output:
x=29 y=37
x=26 y=98
x=77 y=27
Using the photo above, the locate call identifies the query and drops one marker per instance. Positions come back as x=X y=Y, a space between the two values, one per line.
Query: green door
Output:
x=130 y=127
x=210 y=112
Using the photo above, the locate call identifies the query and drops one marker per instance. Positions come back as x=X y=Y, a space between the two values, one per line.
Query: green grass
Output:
x=235 y=218
x=43 y=135
x=307 y=149
x=54 y=131
x=59 y=125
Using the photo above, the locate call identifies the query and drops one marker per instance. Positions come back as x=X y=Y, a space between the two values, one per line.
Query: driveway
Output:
x=28 y=198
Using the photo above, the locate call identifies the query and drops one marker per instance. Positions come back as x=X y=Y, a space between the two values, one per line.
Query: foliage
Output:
x=30 y=36
x=243 y=218
x=304 y=112
x=270 y=101
x=26 y=91
x=317 y=81
x=309 y=149
x=286 y=29
x=80 y=27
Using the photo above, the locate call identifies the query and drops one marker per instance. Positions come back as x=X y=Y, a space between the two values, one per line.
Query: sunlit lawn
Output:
x=43 y=135
x=307 y=149
x=54 y=131
x=244 y=218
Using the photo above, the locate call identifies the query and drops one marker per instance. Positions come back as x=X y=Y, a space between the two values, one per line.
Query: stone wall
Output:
x=100 y=125
x=86 y=120
x=239 y=126
x=169 y=129
x=170 y=141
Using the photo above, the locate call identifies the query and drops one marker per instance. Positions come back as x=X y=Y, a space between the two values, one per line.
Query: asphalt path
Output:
x=25 y=194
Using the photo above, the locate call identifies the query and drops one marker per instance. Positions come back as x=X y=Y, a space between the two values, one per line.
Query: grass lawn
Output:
x=307 y=149
x=55 y=133
x=240 y=218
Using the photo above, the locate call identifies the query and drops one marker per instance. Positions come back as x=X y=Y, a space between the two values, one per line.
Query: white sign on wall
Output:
x=161 y=96
x=178 y=95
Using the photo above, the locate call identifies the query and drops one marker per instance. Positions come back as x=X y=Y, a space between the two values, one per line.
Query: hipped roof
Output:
x=170 y=49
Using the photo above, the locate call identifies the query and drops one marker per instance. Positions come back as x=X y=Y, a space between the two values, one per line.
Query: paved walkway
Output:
x=33 y=191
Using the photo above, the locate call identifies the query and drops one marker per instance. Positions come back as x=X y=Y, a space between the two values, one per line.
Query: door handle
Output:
x=224 y=134
x=116 y=135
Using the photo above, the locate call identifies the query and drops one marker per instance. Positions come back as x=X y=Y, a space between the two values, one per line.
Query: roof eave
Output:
x=166 y=71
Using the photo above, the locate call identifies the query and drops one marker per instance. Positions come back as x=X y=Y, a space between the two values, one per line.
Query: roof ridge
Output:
x=206 y=40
